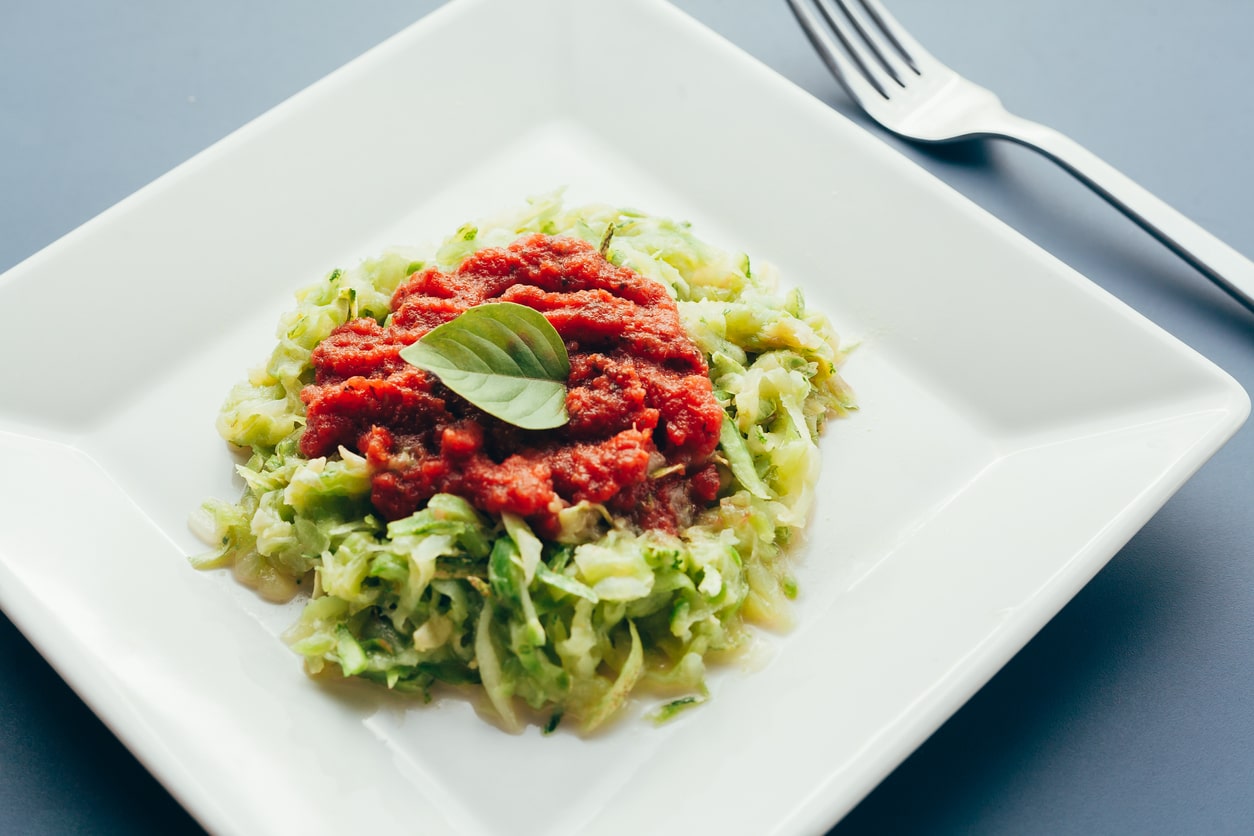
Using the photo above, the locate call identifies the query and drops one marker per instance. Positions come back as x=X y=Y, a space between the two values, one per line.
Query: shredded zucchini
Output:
x=570 y=627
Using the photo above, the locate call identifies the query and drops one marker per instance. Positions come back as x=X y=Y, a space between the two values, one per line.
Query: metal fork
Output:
x=901 y=86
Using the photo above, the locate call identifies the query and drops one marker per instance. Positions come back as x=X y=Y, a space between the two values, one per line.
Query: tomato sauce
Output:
x=638 y=396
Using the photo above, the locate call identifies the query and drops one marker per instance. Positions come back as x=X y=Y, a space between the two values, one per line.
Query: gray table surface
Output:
x=1131 y=712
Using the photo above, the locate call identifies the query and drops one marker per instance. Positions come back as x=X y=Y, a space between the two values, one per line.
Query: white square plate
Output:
x=1018 y=425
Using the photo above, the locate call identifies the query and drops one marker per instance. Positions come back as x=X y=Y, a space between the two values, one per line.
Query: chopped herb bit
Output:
x=606 y=238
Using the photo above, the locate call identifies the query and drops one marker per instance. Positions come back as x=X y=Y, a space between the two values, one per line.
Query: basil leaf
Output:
x=504 y=358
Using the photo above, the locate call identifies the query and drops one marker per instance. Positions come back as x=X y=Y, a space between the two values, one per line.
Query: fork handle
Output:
x=1216 y=260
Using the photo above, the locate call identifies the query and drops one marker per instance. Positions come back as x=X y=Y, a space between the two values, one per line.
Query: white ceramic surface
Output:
x=1018 y=425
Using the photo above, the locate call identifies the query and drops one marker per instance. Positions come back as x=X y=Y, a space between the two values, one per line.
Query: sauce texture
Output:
x=643 y=419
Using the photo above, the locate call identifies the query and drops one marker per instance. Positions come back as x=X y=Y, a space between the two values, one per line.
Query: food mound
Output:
x=639 y=397
x=557 y=572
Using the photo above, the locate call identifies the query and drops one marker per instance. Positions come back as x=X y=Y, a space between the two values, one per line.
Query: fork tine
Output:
x=910 y=50
x=855 y=43
x=884 y=54
x=840 y=57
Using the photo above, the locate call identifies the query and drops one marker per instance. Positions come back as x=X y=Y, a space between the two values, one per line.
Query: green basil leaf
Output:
x=504 y=358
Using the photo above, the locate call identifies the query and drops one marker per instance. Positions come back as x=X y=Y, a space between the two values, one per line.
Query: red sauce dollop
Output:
x=638 y=396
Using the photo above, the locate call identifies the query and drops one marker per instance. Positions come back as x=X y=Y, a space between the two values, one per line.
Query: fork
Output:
x=904 y=88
